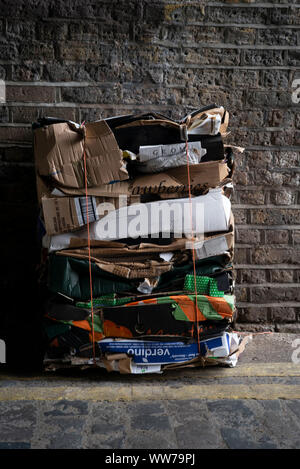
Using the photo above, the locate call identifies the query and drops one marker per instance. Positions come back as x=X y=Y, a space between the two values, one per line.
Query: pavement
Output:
x=255 y=405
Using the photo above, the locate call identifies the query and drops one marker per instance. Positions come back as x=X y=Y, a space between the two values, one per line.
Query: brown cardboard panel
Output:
x=134 y=270
x=112 y=249
x=133 y=261
x=67 y=214
x=208 y=174
x=103 y=190
x=174 y=181
x=59 y=215
x=59 y=153
x=41 y=188
x=131 y=267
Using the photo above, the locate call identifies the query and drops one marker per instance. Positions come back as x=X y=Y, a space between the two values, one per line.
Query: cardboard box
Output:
x=59 y=150
x=67 y=214
x=160 y=353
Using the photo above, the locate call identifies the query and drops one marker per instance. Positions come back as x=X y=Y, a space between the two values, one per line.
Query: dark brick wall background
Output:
x=83 y=60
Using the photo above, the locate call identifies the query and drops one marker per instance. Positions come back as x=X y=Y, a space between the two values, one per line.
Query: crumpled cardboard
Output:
x=208 y=122
x=157 y=352
x=131 y=132
x=135 y=270
x=124 y=364
x=158 y=158
x=115 y=249
x=69 y=276
x=59 y=150
x=139 y=261
x=173 y=315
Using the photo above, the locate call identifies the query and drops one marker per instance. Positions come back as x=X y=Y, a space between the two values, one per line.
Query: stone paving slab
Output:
x=189 y=424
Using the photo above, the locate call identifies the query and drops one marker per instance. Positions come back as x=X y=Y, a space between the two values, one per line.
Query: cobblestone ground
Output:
x=236 y=424
x=255 y=405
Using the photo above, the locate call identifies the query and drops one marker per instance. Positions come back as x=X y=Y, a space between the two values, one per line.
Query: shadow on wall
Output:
x=106 y=10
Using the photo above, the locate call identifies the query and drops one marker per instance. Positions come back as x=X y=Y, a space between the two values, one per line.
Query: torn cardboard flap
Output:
x=120 y=362
x=59 y=151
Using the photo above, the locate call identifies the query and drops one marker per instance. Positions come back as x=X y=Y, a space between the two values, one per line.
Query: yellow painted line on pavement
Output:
x=282 y=369
x=150 y=392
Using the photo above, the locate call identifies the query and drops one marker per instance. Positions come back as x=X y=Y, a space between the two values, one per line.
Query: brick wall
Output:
x=83 y=60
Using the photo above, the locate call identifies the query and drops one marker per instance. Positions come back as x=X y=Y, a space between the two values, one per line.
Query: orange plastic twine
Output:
x=193 y=241
x=89 y=249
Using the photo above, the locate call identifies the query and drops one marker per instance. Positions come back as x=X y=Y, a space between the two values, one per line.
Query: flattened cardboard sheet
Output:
x=59 y=150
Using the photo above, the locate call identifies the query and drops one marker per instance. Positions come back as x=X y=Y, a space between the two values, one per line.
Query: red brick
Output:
x=283 y=314
x=15 y=134
x=41 y=94
x=277 y=236
x=254 y=197
x=285 y=197
x=282 y=276
x=248 y=236
x=252 y=276
x=29 y=114
x=275 y=216
x=271 y=255
x=241 y=256
x=253 y=314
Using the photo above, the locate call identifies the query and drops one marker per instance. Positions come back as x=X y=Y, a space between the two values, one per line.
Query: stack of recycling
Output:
x=138 y=233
